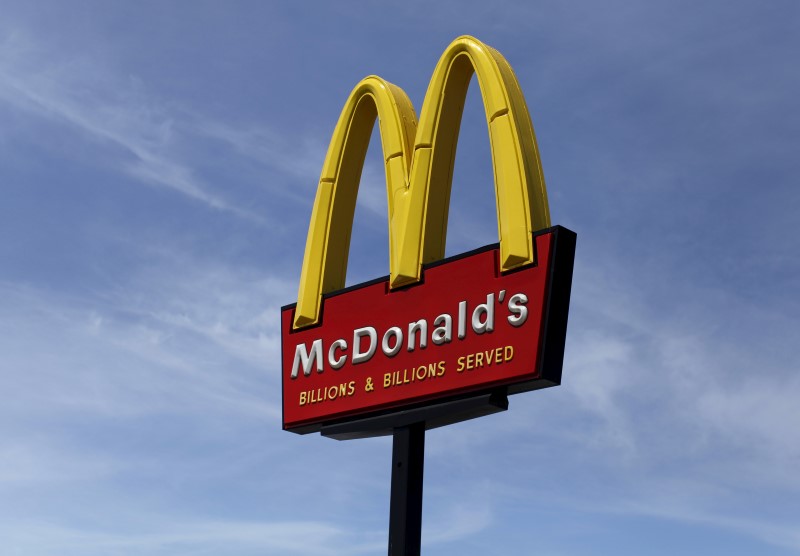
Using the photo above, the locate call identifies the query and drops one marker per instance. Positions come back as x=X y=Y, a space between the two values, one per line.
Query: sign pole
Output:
x=405 y=509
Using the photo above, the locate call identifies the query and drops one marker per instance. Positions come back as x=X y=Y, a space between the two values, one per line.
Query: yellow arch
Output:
x=419 y=170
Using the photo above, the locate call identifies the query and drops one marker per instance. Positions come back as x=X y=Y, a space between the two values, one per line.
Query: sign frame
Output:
x=448 y=409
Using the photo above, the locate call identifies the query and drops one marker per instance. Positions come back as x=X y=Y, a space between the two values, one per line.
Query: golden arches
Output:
x=419 y=170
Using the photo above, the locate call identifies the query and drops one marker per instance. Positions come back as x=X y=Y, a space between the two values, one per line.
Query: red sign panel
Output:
x=464 y=328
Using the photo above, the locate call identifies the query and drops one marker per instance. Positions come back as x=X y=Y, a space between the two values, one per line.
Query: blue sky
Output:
x=158 y=161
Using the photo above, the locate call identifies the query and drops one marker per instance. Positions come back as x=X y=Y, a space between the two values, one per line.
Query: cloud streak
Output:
x=152 y=134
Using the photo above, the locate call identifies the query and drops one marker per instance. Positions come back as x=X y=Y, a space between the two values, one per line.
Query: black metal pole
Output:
x=405 y=510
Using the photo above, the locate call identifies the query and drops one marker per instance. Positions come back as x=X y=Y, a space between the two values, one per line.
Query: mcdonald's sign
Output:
x=435 y=330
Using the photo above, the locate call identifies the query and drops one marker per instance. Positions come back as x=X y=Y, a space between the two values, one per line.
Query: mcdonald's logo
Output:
x=436 y=329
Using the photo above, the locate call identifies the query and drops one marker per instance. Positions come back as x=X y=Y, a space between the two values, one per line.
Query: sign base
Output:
x=431 y=416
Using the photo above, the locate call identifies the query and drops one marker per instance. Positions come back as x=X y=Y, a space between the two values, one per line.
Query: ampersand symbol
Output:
x=369 y=387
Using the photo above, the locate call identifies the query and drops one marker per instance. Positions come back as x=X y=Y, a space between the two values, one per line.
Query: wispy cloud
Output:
x=112 y=112
x=175 y=327
x=776 y=532
x=200 y=537
x=152 y=133
x=302 y=161
x=310 y=538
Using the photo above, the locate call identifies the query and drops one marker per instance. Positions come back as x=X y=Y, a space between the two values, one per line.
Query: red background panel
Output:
x=470 y=278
